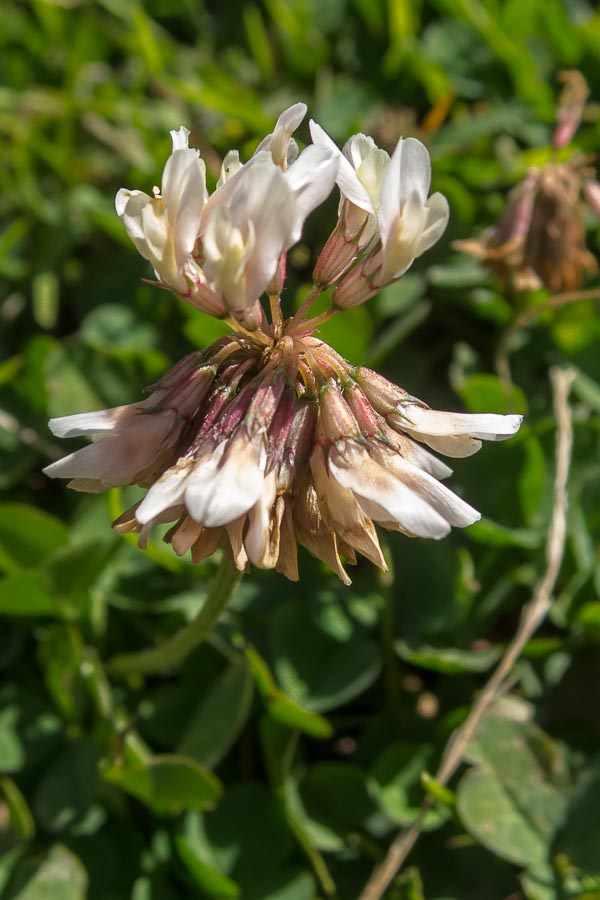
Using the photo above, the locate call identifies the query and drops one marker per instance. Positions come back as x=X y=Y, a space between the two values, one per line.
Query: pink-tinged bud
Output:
x=299 y=442
x=200 y=294
x=179 y=371
x=359 y=284
x=219 y=412
x=186 y=396
x=368 y=420
x=335 y=257
x=250 y=317
x=570 y=107
x=384 y=395
x=280 y=426
x=591 y=190
x=266 y=397
x=336 y=415
x=275 y=286
x=519 y=216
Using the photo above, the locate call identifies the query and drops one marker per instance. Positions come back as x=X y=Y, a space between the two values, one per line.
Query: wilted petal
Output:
x=218 y=492
x=119 y=457
x=262 y=538
x=343 y=513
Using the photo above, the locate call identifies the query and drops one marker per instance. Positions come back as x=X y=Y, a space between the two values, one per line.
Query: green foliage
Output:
x=280 y=758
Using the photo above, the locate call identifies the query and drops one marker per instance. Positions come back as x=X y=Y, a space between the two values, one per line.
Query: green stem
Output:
x=176 y=648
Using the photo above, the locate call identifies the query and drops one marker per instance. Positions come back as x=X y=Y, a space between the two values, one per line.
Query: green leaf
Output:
x=27 y=730
x=290 y=713
x=280 y=707
x=27 y=594
x=113 y=328
x=395 y=783
x=512 y=802
x=487 y=394
x=72 y=569
x=496 y=817
x=588 y=618
x=580 y=838
x=495 y=535
x=68 y=787
x=21 y=820
x=248 y=835
x=168 y=783
x=212 y=882
x=27 y=536
x=67 y=383
x=447 y=659
x=57 y=875
x=60 y=652
x=335 y=794
x=315 y=669
x=532 y=478
x=213 y=727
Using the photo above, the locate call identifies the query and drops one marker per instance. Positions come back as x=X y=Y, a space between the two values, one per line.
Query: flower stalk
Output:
x=173 y=651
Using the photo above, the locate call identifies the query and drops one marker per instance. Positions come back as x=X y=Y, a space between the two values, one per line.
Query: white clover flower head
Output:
x=270 y=438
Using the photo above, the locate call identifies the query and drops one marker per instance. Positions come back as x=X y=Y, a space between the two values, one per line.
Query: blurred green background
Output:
x=278 y=762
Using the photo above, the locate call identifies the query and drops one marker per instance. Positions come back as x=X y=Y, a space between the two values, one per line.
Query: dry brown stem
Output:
x=532 y=616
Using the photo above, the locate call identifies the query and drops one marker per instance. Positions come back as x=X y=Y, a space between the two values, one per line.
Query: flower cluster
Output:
x=539 y=240
x=269 y=437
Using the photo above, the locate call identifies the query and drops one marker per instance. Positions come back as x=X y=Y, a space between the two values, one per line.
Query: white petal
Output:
x=130 y=206
x=278 y=141
x=258 y=538
x=180 y=138
x=166 y=492
x=86 y=423
x=358 y=147
x=451 y=507
x=231 y=164
x=312 y=178
x=217 y=494
x=409 y=172
x=438 y=213
x=385 y=498
x=483 y=426
x=418 y=456
x=347 y=180
x=391 y=490
x=457 y=446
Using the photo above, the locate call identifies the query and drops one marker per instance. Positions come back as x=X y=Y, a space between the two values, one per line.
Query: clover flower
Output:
x=270 y=438
x=386 y=218
x=539 y=241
